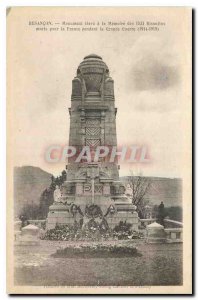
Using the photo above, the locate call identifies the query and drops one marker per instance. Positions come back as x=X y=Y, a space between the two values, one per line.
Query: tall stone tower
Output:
x=92 y=112
x=92 y=188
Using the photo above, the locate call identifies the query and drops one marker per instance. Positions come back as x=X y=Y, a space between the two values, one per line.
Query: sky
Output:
x=150 y=71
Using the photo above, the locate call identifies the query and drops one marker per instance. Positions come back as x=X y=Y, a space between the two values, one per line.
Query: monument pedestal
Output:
x=81 y=209
x=58 y=215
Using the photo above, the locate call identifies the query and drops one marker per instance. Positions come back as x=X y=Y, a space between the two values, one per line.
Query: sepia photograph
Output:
x=99 y=187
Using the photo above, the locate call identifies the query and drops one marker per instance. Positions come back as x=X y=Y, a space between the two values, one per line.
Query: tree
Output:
x=47 y=196
x=30 y=212
x=46 y=200
x=161 y=213
x=140 y=187
x=64 y=175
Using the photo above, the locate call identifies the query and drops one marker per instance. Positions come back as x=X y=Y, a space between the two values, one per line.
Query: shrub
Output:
x=97 y=250
x=91 y=232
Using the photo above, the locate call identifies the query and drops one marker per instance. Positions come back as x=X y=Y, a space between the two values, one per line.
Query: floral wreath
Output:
x=93 y=211
x=74 y=209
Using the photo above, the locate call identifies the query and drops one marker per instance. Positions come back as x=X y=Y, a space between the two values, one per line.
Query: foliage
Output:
x=173 y=212
x=140 y=188
x=73 y=233
x=97 y=250
x=92 y=232
x=47 y=196
x=123 y=231
x=35 y=212
x=30 y=211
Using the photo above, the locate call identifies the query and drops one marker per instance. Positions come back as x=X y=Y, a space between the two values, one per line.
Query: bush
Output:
x=123 y=231
x=92 y=232
x=99 y=251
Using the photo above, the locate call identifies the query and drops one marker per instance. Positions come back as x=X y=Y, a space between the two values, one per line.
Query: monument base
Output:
x=59 y=218
x=61 y=214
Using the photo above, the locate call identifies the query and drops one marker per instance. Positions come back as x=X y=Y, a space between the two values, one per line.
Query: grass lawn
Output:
x=159 y=265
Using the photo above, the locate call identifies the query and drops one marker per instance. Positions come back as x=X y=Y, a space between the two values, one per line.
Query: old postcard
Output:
x=99 y=150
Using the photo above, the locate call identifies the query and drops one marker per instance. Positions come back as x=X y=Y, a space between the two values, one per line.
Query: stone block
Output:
x=155 y=233
x=29 y=235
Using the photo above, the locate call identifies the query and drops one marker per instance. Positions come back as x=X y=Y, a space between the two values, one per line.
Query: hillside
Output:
x=29 y=183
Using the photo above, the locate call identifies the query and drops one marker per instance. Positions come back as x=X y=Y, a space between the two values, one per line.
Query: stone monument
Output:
x=92 y=189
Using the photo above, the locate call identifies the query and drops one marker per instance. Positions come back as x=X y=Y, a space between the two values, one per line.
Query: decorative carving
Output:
x=87 y=187
x=103 y=174
x=111 y=210
x=81 y=174
x=93 y=122
x=92 y=132
x=98 y=188
x=74 y=209
x=93 y=142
